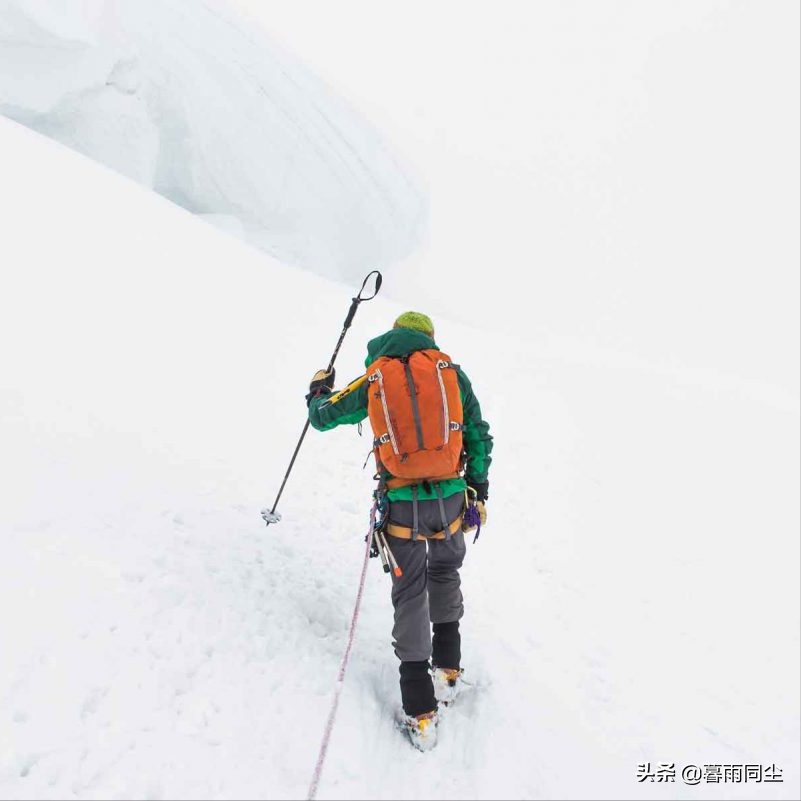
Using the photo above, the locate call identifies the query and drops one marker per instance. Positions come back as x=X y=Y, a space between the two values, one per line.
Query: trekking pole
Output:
x=270 y=515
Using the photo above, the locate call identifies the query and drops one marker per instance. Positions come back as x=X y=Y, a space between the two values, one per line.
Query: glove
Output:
x=322 y=383
x=481 y=488
x=475 y=514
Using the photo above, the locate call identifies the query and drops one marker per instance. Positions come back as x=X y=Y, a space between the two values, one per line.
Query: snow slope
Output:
x=193 y=102
x=633 y=598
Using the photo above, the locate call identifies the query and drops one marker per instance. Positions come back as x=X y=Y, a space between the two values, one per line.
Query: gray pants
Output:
x=429 y=589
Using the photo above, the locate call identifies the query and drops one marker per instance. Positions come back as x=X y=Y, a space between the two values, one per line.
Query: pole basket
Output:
x=270 y=517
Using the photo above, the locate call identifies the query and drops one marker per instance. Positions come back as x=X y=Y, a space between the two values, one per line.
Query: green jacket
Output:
x=353 y=409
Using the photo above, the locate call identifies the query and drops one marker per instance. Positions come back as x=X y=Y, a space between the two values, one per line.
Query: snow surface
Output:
x=189 y=100
x=633 y=598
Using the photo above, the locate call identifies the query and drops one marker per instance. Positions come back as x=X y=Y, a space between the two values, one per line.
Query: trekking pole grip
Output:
x=359 y=298
x=351 y=313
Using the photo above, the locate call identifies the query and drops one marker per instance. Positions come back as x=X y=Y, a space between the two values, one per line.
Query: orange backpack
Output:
x=415 y=409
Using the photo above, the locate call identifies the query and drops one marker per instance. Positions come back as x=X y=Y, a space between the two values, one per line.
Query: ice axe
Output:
x=270 y=515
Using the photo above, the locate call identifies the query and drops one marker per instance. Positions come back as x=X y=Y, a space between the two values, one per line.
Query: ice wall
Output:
x=190 y=100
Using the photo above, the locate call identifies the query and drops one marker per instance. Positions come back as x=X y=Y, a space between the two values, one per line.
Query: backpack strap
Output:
x=441 y=502
x=415 y=514
x=418 y=426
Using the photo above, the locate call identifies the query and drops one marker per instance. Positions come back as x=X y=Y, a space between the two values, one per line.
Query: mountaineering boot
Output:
x=422 y=730
x=448 y=683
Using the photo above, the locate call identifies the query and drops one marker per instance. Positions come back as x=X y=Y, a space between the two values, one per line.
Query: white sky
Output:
x=601 y=169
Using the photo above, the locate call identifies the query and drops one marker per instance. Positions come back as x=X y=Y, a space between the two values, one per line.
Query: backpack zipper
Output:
x=441 y=364
x=377 y=375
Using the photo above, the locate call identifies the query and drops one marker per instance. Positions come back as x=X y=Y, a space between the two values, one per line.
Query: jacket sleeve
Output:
x=475 y=436
x=351 y=409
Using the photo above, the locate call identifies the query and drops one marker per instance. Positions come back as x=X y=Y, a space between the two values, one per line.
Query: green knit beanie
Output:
x=416 y=321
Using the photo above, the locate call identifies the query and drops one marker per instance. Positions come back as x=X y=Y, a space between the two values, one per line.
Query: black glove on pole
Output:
x=269 y=515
